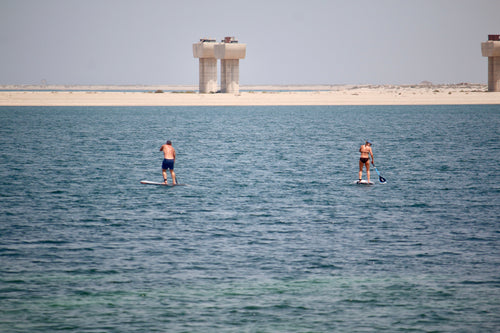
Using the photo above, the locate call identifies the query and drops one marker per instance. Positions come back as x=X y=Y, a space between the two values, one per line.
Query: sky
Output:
x=289 y=42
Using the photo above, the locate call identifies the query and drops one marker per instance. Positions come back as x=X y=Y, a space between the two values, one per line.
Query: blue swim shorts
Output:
x=167 y=164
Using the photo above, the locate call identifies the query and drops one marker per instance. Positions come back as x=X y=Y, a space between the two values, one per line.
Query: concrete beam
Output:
x=204 y=50
x=490 y=49
x=230 y=51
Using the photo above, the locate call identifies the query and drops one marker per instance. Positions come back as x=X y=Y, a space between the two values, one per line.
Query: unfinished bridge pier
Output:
x=491 y=49
x=204 y=50
x=229 y=51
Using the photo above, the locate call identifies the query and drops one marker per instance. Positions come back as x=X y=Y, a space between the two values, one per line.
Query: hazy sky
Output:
x=288 y=41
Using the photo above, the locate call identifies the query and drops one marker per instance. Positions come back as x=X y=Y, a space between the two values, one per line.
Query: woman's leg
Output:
x=367 y=164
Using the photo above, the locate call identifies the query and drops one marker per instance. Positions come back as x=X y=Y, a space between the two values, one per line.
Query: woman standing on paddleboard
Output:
x=364 y=160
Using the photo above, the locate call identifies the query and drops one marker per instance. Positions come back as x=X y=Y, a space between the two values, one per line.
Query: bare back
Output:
x=365 y=151
x=168 y=152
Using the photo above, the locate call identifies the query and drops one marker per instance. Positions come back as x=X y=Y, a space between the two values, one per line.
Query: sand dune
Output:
x=249 y=95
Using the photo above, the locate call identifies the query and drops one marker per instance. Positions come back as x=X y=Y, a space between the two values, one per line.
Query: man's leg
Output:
x=164 y=173
x=172 y=173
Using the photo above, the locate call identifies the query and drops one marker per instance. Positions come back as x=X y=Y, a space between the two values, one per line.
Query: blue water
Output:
x=271 y=235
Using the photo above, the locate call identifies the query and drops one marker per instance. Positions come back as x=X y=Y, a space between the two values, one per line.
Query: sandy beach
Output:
x=249 y=95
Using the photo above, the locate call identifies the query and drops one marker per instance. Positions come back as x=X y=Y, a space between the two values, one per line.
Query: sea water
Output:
x=270 y=235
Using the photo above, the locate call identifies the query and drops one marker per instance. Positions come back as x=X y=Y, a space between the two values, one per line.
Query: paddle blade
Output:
x=382 y=179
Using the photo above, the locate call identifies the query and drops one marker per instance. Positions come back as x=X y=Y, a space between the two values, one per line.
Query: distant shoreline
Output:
x=187 y=95
x=274 y=87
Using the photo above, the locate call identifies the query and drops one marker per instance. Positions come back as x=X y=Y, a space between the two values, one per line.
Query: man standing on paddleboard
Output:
x=366 y=152
x=168 y=161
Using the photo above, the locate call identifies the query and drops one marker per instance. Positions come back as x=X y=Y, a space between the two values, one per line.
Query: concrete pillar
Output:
x=230 y=75
x=230 y=52
x=208 y=75
x=204 y=50
x=491 y=49
x=494 y=73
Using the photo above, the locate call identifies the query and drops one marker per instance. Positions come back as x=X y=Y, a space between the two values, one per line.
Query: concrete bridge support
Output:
x=491 y=49
x=230 y=52
x=204 y=50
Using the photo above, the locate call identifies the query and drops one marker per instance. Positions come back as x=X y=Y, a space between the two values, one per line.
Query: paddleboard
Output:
x=364 y=182
x=147 y=182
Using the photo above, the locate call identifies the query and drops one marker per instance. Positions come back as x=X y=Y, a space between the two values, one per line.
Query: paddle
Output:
x=380 y=178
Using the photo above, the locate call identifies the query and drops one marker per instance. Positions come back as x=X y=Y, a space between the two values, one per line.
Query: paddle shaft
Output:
x=380 y=178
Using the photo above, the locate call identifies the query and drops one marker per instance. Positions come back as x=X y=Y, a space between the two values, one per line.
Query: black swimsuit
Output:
x=364 y=159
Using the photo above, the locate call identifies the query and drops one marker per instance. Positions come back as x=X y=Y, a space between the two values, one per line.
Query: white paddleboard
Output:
x=364 y=182
x=147 y=182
